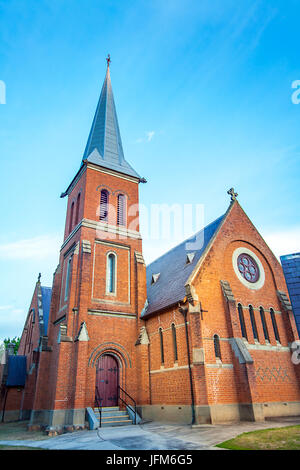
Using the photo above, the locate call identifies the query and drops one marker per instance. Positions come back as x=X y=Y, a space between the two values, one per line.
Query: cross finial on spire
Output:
x=108 y=60
x=232 y=194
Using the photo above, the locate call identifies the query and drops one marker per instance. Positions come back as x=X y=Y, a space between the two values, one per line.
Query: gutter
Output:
x=83 y=165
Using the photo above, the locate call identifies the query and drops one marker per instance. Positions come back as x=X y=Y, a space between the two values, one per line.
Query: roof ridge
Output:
x=184 y=241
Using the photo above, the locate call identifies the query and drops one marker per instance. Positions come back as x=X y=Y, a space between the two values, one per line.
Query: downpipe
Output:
x=183 y=311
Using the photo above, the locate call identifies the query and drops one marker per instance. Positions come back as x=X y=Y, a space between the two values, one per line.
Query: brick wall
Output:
x=276 y=377
x=170 y=379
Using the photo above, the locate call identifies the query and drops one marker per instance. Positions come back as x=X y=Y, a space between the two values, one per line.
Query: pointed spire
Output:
x=104 y=145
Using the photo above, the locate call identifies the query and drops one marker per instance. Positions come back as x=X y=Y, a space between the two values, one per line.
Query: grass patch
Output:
x=16 y=431
x=286 y=438
x=6 y=447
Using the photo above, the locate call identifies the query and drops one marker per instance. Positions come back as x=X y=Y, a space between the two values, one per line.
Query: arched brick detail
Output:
x=110 y=348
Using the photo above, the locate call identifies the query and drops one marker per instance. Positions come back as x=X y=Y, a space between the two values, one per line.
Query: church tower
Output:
x=99 y=287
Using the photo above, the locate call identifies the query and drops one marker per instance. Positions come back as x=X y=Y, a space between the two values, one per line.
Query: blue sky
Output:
x=203 y=94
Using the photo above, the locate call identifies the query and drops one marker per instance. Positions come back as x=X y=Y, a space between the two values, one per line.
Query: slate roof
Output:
x=104 y=145
x=46 y=301
x=175 y=271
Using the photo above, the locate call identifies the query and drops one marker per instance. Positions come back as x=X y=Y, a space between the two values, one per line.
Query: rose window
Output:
x=248 y=267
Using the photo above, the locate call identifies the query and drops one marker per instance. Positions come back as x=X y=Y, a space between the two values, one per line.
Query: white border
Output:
x=106 y=300
x=251 y=285
x=107 y=291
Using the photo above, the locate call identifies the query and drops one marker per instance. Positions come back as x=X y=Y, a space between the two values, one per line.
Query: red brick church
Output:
x=203 y=334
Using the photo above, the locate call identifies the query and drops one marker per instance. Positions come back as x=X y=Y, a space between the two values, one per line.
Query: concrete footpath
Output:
x=152 y=436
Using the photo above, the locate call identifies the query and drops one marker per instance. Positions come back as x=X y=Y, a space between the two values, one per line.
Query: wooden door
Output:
x=107 y=375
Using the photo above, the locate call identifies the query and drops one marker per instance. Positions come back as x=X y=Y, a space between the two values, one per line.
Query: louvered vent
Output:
x=121 y=210
x=104 y=205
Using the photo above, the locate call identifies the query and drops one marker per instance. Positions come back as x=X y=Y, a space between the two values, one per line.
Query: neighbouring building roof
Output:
x=291 y=269
x=167 y=276
x=16 y=374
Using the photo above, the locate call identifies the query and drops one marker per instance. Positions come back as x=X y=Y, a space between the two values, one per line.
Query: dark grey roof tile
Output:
x=174 y=270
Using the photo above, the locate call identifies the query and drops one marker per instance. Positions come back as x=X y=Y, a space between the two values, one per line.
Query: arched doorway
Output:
x=107 y=380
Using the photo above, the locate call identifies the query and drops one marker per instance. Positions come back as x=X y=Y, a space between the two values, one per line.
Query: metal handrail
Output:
x=99 y=405
x=127 y=404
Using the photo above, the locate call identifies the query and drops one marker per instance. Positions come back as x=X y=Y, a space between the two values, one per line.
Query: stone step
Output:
x=124 y=422
x=107 y=408
x=113 y=416
x=110 y=413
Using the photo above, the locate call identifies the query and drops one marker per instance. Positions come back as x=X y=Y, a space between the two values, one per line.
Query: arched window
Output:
x=242 y=321
x=30 y=323
x=121 y=214
x=274 y=325
x=104 y=205
x=68 y=275
x=111 y=274
x=264 y=324
x=77 y=209
x=217 y=346
x=71 y=217
x=161 y=346
x=174 y=342
x=253 y=322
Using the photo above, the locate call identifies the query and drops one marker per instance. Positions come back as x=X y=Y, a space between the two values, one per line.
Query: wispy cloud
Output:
x=36 y=248
x=147 y=138
x=11 y=321
x=150 y=135
x=284 y=242
x=12 y=311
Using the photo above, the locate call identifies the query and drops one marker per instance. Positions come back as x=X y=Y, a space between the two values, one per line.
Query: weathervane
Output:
x=232 y=194
x=108 y=60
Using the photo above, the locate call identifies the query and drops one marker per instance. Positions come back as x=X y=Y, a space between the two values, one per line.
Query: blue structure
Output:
x=291 y=268
x=16 y=376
